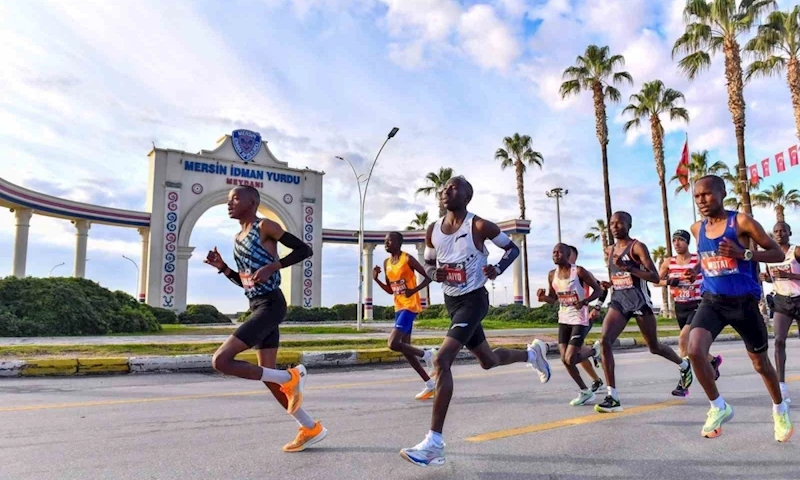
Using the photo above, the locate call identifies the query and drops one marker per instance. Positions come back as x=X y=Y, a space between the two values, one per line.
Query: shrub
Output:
x=202 y=314
x=164 y=316
x=318 y=314
x=434 y=311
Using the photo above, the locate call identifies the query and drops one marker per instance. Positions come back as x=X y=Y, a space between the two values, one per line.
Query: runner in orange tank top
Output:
x=401 y=282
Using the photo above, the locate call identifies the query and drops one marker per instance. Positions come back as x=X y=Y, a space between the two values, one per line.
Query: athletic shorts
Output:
x=466 y=314
x=740 y=312
x=685 y=312
x=404 y=320
x=789 y=306
x=260 y=329
x=572 y=334
x=628 y=314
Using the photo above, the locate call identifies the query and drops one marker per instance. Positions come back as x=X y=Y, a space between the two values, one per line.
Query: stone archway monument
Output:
x=184 y=185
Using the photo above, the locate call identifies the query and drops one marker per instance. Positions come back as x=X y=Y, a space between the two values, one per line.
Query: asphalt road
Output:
x=210 y=427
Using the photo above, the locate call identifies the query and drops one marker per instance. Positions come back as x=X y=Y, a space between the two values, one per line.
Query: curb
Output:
x=202 y=363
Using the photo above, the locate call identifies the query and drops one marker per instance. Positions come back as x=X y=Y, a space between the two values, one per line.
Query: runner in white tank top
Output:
x=785 y=279
x=566 y=287
x=455 y=256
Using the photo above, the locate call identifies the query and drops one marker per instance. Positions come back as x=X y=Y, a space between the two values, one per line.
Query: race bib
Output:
x=622 y=281
x=247 y=280
x=567 y=299
x=715 y=265
x=456 y=274
x=398 y=287
x=683 y=293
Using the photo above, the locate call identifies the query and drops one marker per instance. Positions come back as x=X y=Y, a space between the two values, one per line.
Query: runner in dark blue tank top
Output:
x=258 y=273
x=731 y=293
x=631 y=268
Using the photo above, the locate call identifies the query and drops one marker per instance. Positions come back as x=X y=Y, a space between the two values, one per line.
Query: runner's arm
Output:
x=491 y=231
x=551 y=296
x=588 y=279
x=650 y=273
x=426 y=280
x=384 y=286
x=430 y=257
x=663 y=274
x=231 y=275
x=772 y=253
x=300 y=251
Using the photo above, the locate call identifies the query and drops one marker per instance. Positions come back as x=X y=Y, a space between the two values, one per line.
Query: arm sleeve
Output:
x=511 y=254
x=300 y=251
x=430 y=262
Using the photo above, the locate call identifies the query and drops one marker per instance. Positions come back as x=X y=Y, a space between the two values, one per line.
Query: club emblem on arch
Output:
x=247 y=144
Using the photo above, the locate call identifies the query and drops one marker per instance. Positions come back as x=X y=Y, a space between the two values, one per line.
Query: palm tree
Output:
x=420 y=221
x=595 y=71
x=659 y=255
x=778 y=198
x=713 y=26
x=519 y=153
x=777 y=46
x=599 y=233
x=699 y=168
x=655 y=99
x=436 y=182
x=734 y=199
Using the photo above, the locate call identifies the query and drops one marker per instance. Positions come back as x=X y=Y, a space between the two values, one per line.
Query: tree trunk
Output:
x=520 y=188
x=779 y=213
x=601 y=127
x=521 y=198
x=793 y=76
x=604 y=241
x=736 y=105
x=667 y=312
x=658 y=153
x=442 y=210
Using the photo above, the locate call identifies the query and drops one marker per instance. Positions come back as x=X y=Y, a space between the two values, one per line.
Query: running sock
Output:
x=426 y=357
x=613 y=392
x=784 y=388
x=272 y=375
x=684 y=365
x=435 y=438
x=303 y=418
x=779 y=408
x=531 y=356
x=719 y=403
x=430 y=384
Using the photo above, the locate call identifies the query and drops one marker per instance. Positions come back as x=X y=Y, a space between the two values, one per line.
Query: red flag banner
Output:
x=780 y=162
x=682 y=172
x=765 y=167
x=793 y=161
x=753 y=174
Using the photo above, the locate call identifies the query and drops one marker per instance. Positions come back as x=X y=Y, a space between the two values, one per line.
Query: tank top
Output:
x=456 y=253
x=786 y=288
x=685 y=292
x=724 y=275
x=570 y=291
x=401 y=278
x=629 y=291
x=250 y=255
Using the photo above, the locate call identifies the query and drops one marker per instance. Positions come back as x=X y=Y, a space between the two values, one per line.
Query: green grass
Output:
x=310 y=329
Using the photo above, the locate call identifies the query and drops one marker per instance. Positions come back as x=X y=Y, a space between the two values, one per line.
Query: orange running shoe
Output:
x=306 y=437
x=293 y=389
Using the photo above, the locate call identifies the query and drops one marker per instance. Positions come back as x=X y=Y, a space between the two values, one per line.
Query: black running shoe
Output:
x=716 y=362
x=596 y=385
x=609 y=405
x=686 y=377
x=680 y=391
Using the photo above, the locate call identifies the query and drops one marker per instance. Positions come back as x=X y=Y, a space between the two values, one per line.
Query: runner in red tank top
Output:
x=686 y=296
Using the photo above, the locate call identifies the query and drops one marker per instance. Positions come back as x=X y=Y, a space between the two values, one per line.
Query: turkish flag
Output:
x=780 y=162
x=682 y=172
x=765 y=167
x=754 y=174
x=793 y=156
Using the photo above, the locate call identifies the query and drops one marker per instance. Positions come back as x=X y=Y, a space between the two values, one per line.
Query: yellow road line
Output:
x=571 y=422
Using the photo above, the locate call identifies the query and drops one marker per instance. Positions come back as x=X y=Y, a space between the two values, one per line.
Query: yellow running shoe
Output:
x=293 y=389
x=306 y=437
x=714 y=420
x=783 y=426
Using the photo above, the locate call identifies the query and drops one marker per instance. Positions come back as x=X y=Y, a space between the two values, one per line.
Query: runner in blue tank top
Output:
x=258 y=273
x=731 y=293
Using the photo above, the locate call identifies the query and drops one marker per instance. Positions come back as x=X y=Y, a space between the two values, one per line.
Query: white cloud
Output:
x=487 y=39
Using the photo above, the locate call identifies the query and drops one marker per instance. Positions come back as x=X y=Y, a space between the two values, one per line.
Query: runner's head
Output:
x=393 y=242
x=781 y=232
x=709 y=194
x=243 y=202
x=561 y=254
x=573 y=254
x=621 y=223
x=680 y=241
x=456 y=194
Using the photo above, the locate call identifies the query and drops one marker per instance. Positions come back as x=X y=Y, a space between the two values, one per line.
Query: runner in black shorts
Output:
x=630 y=266
x=730 y=297
x=594 y=312
x=455 y=255
x=258 y=273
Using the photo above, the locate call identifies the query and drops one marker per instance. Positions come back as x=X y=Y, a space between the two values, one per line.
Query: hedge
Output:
x=202 y=314
x=69 y=306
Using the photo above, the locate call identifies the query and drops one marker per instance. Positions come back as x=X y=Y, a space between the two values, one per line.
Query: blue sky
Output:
x=89 y=87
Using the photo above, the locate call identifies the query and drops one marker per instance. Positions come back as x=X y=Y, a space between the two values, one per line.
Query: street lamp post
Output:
x=136 y=290
x=558 y=193
x=51 y=270
x=362 y=199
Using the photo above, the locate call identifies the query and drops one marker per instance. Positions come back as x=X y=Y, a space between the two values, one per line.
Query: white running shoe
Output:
x=582 y=398
x=597 y=357
x=427 y=358
x=424 y=454
x=541 y=366
x=426 y=393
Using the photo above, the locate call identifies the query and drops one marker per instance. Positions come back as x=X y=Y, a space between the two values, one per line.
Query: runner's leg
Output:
x=649 y=328
x=781 y=323
x=400 y=341
x=613 y=325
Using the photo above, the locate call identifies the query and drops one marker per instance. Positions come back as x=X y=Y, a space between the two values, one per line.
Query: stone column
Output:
x=181 y=276
x=367 y=279
x=423 y=294
x=517 y=276
x=81 y=238
x=145 y=234
x=23 y=217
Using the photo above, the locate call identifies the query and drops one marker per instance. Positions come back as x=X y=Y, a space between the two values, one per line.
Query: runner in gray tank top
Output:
x=630 y=266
